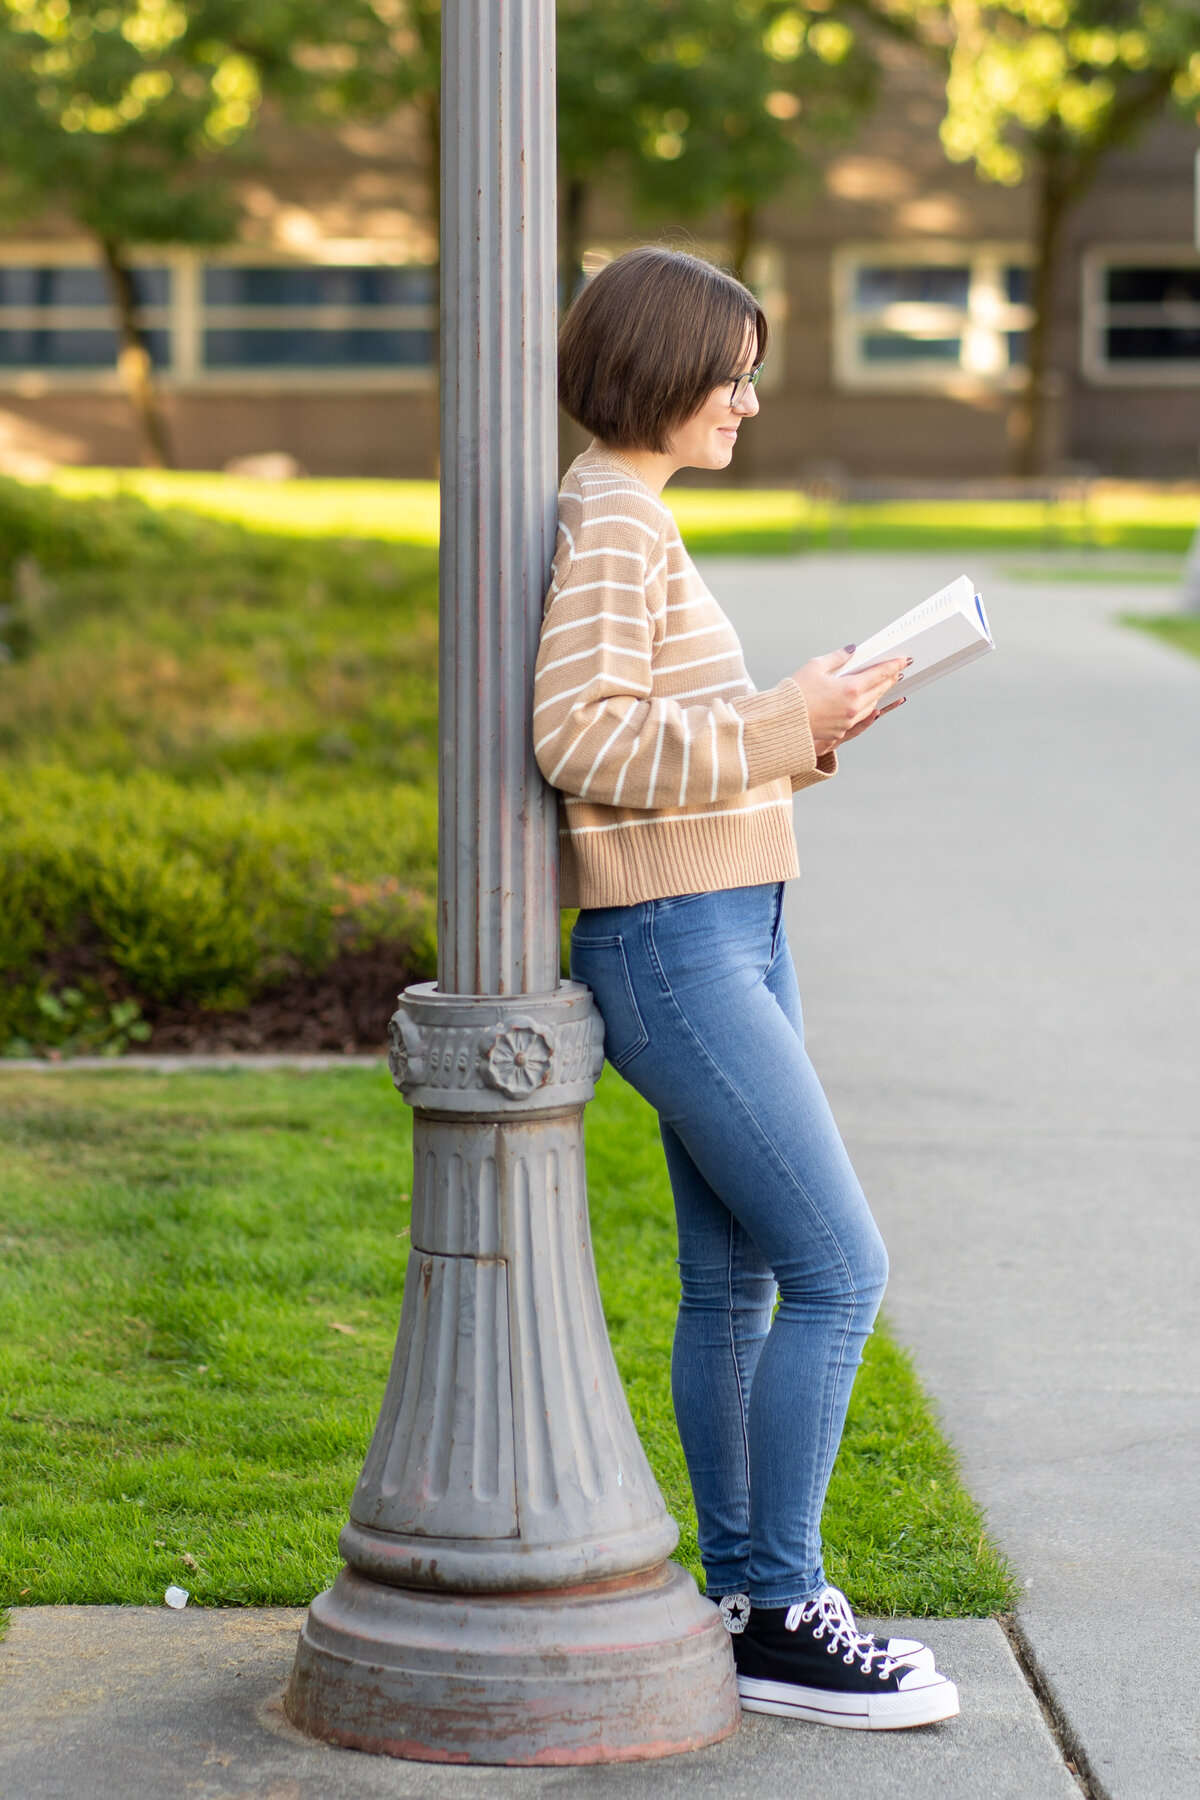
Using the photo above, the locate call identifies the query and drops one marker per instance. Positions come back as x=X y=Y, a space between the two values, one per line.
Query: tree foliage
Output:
x=1068 y=77
x=703 y=106
x=122 y=115
x=1044 y=90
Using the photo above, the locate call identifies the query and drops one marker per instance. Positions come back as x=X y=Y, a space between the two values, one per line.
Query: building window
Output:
x=944 y=317
x=1141 y=316
x=271 y=317
x=57 y=317
x=216 y=322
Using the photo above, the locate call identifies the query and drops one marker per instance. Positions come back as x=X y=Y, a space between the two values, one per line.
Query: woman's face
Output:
x=706 y=440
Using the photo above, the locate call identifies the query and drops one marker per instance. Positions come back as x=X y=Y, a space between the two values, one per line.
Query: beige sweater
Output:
x=676 y=774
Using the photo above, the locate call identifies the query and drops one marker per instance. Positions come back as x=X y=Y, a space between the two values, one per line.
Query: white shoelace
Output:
x=832 y=1609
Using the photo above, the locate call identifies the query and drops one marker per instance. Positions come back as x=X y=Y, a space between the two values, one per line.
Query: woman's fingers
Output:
x=837 y=703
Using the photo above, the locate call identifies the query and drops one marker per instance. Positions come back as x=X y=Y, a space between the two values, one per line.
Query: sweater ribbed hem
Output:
x=681 y=853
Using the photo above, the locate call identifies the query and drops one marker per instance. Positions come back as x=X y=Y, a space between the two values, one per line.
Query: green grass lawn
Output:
x=714 y=521
x=1180 y=629
x=200 y=1278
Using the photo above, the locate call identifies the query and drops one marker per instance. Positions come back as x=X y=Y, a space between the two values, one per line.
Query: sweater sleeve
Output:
x=600 y=731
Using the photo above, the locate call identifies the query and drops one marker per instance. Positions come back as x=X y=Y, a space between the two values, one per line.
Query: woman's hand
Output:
x=841 y=707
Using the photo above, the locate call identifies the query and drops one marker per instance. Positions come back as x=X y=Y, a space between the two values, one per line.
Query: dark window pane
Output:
x=876 y=288
x=1018 y=348
x=1151 y=287
x=895 y=347
x=87 y=348
x=319 y=287
x=77 y=286
x=263 y=348
x=1018 y=285
x=1152 y=343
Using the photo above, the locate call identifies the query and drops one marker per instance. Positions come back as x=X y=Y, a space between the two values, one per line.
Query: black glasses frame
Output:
x=739 y=383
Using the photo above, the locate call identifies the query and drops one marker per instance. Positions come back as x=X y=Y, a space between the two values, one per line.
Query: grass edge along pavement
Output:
x=200 y=1279
x=713 y=521
x=1180 y=630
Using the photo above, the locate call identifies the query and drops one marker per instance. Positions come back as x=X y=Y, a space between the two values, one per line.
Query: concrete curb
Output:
x=182 y=1065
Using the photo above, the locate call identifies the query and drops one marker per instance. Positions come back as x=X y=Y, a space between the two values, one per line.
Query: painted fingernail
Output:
x=849 y=649
x=909 y=663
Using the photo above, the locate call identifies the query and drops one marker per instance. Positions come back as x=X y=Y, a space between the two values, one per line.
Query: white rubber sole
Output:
x=854 y=1712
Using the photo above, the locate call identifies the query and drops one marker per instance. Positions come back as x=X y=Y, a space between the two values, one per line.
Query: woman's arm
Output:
x=599 y=730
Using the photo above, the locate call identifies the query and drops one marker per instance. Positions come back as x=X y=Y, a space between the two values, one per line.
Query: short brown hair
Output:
x=648 y=340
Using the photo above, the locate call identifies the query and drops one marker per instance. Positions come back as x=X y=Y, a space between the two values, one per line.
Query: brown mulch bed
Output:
x=346 y=1007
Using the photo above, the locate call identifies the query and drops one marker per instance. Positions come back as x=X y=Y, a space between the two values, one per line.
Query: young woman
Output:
x=676 y=779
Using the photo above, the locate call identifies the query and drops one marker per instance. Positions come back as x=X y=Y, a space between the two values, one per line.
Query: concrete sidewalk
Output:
x=139 y=1703
x=998 y=942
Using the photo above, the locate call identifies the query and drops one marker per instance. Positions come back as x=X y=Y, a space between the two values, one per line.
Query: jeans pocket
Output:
x=600 y=964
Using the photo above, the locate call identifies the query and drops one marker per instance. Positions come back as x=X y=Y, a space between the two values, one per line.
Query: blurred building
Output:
x=897 y=282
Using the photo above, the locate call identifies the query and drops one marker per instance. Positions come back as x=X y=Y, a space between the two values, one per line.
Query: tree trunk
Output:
x=570 y=260
x=1055 y=190
x=134 y=363
x=743 y=222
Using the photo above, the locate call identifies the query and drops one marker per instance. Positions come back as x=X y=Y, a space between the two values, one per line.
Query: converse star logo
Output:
x=735 y=1610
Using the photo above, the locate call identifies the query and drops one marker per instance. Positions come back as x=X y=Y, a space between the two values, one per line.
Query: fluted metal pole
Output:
x=507 y=1596
x=498 y=913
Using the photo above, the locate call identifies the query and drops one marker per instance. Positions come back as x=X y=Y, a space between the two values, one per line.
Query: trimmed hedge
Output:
x=203 y=896
x=217 y=751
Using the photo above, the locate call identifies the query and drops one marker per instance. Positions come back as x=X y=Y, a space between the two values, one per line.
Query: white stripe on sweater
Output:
x=705 y=693
x=592 y=650
x=567 y=694
x=623 y=519
x=589 y=587
x=616 y=799
x=612 y=494
x=662 y=726
x=578 y=624
x=609 y=550
x=681 y=637
x=606 y=747
x=698 y=662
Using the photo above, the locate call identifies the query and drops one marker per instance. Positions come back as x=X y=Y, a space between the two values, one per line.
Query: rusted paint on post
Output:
x=507 y=1596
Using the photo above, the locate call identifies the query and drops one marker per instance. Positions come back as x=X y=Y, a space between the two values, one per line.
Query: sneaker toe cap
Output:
x=921 y=1676
x=910 y=1650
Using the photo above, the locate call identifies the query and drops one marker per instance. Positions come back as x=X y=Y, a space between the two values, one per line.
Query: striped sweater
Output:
x=676 y=775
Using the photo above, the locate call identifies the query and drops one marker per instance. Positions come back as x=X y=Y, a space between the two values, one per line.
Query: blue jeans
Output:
x=702 y=1016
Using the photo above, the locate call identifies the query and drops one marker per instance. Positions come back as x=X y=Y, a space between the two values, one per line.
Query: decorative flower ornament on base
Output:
x=406 y=1057
x=516 y=1057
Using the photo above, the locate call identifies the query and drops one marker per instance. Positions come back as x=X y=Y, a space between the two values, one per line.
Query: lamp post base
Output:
x=614 y=1672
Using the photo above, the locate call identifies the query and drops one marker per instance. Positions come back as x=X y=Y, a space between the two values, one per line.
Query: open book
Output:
x=945 y=632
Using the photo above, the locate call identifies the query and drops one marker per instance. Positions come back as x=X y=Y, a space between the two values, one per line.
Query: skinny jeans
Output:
x=702 y=1016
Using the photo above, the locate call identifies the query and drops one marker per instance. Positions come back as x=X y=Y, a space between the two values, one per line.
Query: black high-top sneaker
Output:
x=812 y=1662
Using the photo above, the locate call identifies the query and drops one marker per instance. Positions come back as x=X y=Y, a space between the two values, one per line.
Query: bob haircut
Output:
x=648 y=340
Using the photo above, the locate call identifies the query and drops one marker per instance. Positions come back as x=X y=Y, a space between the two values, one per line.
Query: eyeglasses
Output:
x=739 y=385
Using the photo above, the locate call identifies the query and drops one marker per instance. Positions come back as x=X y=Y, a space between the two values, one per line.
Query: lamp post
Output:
x=507 y=1596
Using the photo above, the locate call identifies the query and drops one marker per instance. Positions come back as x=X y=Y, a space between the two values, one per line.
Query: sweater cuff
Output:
x=827 y=765
x=777 y=738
